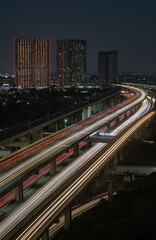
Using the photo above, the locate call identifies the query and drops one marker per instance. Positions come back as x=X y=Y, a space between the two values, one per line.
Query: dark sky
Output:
x=128 y=26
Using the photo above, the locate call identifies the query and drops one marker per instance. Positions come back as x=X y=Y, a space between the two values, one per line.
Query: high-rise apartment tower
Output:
x=71 y=62
x=108 y=67
x=32 y=62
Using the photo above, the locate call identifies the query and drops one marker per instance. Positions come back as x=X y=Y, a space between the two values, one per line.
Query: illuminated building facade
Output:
x=108 y=67
x=63 y=62
x=23 y=62
x=32 y=62
x=71 y=62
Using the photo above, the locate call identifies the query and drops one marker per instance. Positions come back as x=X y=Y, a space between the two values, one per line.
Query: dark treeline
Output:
x=130 y=215
x=31 y=104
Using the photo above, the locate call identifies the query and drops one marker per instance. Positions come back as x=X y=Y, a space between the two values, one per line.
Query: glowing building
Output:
x=32 y=62
x=71 y=62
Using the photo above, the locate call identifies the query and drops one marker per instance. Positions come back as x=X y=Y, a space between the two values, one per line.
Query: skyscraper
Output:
x=41 y=62
x=23 y=62
x=71 y=62
x=63 y=62
x=32 y=62
x=108 y=67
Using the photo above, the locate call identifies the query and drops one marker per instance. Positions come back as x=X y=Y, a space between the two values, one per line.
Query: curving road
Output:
x=10 y=179
x=8 y=162
x=90 y=162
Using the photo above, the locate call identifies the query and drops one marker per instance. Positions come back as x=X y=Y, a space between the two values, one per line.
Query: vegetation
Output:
x=26 y=105
x=138 y=151
x=144 y=149
x=130 y=215
x=150 y=133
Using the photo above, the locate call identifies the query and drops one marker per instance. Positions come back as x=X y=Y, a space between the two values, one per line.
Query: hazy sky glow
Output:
x=128 y=26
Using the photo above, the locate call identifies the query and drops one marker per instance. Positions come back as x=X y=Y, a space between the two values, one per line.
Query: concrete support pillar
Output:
x=115 y=159
x=136 y=135
x=121 y=155
x=36 y=135
x=110 y=164
x=110 y=190
x=67 y=217
x=89 y=111
x=53 y=167
x=97 y=184
x=89 y=144
x=65 y=122
x=30 y=137
x=19 y=193
x=45 y=235
x=56 y=126
x=84 y=114
x=140 y=133
x=23 y=141
x=71 y=120
x=111 y=102
x=94 y=108
x=76 y=150
x=117 y=121
x=41 y=133
x=101 y=107
x=105 y=171
x=108 y=127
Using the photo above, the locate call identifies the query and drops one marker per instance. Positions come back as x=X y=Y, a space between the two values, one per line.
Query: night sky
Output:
x=128 y=26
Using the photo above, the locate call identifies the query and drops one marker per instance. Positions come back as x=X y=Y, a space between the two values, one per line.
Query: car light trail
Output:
x=28 y=182
x=36 y=147
x=33 y=231
x=48 y=215
x=22 y=169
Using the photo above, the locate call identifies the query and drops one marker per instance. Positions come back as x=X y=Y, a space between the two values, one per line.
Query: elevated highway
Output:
x=52 y=199
x=18 y=174
x=17 y=157
x=27 y=129
x=96 y=151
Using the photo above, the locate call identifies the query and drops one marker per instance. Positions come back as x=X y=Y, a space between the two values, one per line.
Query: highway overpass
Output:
x=52 y=199
x=18 y=174
x=80 y=169
x=32 y=131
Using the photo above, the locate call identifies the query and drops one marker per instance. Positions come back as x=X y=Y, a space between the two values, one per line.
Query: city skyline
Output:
x=71 y=62
x=127 y=26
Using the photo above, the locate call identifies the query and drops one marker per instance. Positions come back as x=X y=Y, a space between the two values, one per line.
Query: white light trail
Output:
x=56 y=183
